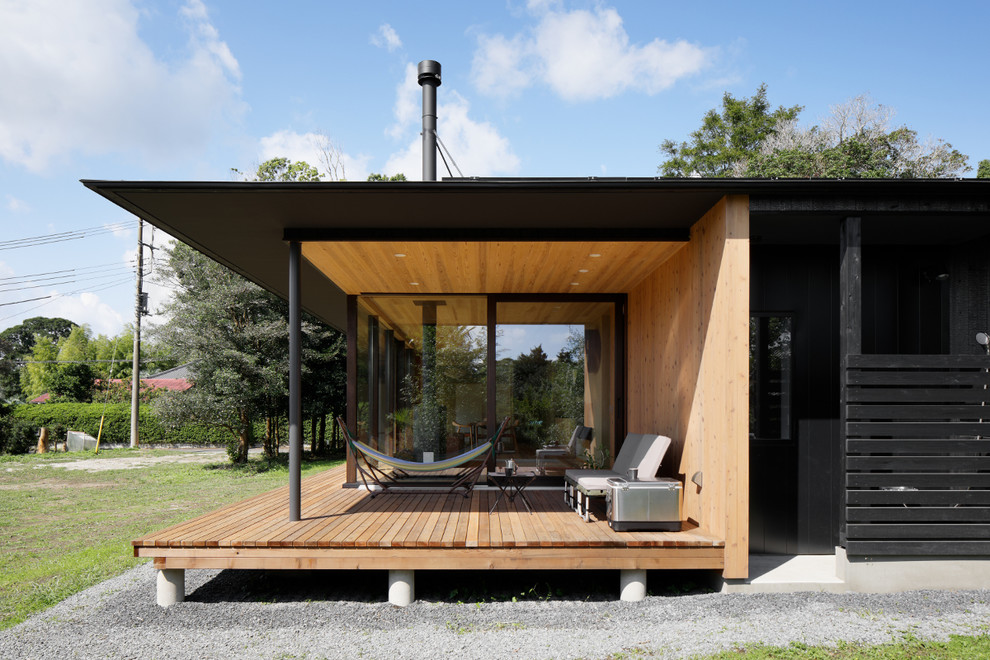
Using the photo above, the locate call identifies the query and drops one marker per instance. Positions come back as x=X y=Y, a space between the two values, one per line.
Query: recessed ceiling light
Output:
x=414 y=284
x=575 y=283
x=398 y=255
x=583 y=270
x=594 y=255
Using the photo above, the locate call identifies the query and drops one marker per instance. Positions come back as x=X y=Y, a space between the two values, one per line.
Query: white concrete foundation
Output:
x=632 y=584
x=786 y=573
x=401 y=587
x=894 y=574
x=171 y=586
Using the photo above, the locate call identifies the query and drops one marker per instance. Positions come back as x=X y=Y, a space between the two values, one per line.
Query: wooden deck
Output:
x=344 y=528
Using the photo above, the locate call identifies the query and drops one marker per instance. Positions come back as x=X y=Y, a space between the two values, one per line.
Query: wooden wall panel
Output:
x=688 y=371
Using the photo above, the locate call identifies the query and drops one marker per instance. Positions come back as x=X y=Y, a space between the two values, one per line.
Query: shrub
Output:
x=16 y=435
x=85 y=417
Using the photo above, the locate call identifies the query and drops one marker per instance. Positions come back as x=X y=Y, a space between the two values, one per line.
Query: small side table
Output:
x=512 y=485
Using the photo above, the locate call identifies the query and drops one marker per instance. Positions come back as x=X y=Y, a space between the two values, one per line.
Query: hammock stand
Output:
x=471 y=462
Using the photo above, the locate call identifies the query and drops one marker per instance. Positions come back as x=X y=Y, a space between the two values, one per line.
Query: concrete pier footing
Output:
x=171 y=586
x=632 y=584
x=401 y=587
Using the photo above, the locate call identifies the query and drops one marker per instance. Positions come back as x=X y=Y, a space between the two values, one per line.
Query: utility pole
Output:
x=136 y=357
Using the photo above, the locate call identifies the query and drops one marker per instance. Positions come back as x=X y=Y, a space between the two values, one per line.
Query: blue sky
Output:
x=187 y=89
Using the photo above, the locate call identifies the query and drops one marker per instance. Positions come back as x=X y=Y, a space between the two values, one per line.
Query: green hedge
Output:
x=85 y=417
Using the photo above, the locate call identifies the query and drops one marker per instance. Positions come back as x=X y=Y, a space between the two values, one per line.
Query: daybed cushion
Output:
x=642 y=451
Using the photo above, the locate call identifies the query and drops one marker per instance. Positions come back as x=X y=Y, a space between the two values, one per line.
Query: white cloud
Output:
x=386 y=38
x=497 y=67
x=79 y=78
x=408 y=95
x=86 y=309
x=306 y=147
x=476 y=146
x=17 y=205
x=120 y=230
x=581 y=55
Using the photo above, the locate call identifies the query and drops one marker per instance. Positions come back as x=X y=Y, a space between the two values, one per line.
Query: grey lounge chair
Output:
x=641 y=451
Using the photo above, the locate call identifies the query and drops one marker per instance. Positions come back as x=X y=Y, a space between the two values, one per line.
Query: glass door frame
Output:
x=618 y=415
x=618 y=412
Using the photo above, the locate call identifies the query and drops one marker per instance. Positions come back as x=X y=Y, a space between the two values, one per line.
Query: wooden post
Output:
x=850 y=331
x=43 y=441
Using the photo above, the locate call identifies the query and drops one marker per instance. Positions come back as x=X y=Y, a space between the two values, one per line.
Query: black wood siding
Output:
x=918 y=455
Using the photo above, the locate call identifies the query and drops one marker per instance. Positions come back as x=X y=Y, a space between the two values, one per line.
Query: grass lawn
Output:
x=63 y=530
x=959 y=647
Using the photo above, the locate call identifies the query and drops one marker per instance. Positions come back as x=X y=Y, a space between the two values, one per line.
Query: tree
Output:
x=374 y=176
x=38 y=372
x=983 y=169
x=725 y=138
x=22 y=337
x=855 y=141
x=283 y=169
x=324 y=379
x=237 y=333
x=16 y=344
x=73 y=378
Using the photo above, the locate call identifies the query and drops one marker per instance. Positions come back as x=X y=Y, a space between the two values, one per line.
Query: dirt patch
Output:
x=135 y=462
x=53 y=485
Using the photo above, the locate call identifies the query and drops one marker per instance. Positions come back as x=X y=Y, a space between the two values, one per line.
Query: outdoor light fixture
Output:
x=983 y=339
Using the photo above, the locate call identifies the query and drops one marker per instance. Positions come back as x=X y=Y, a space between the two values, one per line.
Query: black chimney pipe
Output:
x=429 y=80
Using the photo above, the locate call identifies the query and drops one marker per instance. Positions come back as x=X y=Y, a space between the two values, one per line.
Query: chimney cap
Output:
x=429 y=72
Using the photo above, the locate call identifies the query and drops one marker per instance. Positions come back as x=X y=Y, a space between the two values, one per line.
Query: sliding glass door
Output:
x=430 y=379
x=555 y=371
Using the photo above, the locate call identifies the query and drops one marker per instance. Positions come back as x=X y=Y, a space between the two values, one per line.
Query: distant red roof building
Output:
x=170 y=382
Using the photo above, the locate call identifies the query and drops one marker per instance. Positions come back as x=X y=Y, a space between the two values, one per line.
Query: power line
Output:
x=36 y=276
x=77 y=361
x=56 y=296
x=60 y=237
x=56 y=281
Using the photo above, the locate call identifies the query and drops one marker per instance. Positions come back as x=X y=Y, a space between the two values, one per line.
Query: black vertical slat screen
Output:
x=917 y=455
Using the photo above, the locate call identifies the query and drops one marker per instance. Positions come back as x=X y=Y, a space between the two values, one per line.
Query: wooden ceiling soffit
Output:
x=435 y=267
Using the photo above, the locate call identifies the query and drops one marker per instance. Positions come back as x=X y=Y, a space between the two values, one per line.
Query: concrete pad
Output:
x=787 y=574
x=895 y=574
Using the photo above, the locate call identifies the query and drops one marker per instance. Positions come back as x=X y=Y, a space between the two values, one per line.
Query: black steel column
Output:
x=295 y=380
x=491 y=384
x=352 y=382
x=850 y=332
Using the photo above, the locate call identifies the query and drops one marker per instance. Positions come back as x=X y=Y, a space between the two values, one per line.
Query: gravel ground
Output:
x=259 y=614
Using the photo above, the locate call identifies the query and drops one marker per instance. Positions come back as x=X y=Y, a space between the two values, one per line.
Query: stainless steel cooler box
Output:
x=644 y=505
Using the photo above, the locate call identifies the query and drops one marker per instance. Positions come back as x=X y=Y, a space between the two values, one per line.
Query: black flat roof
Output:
x=243 y=224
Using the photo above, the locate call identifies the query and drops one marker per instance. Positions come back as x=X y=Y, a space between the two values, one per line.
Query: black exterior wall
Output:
x=926 y=299
x=795 y=485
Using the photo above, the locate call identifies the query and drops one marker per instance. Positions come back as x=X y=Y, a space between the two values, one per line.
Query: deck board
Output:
x=347 y=527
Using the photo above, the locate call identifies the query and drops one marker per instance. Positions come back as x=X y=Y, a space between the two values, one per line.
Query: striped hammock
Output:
x=414 y=466
x=464 y=479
